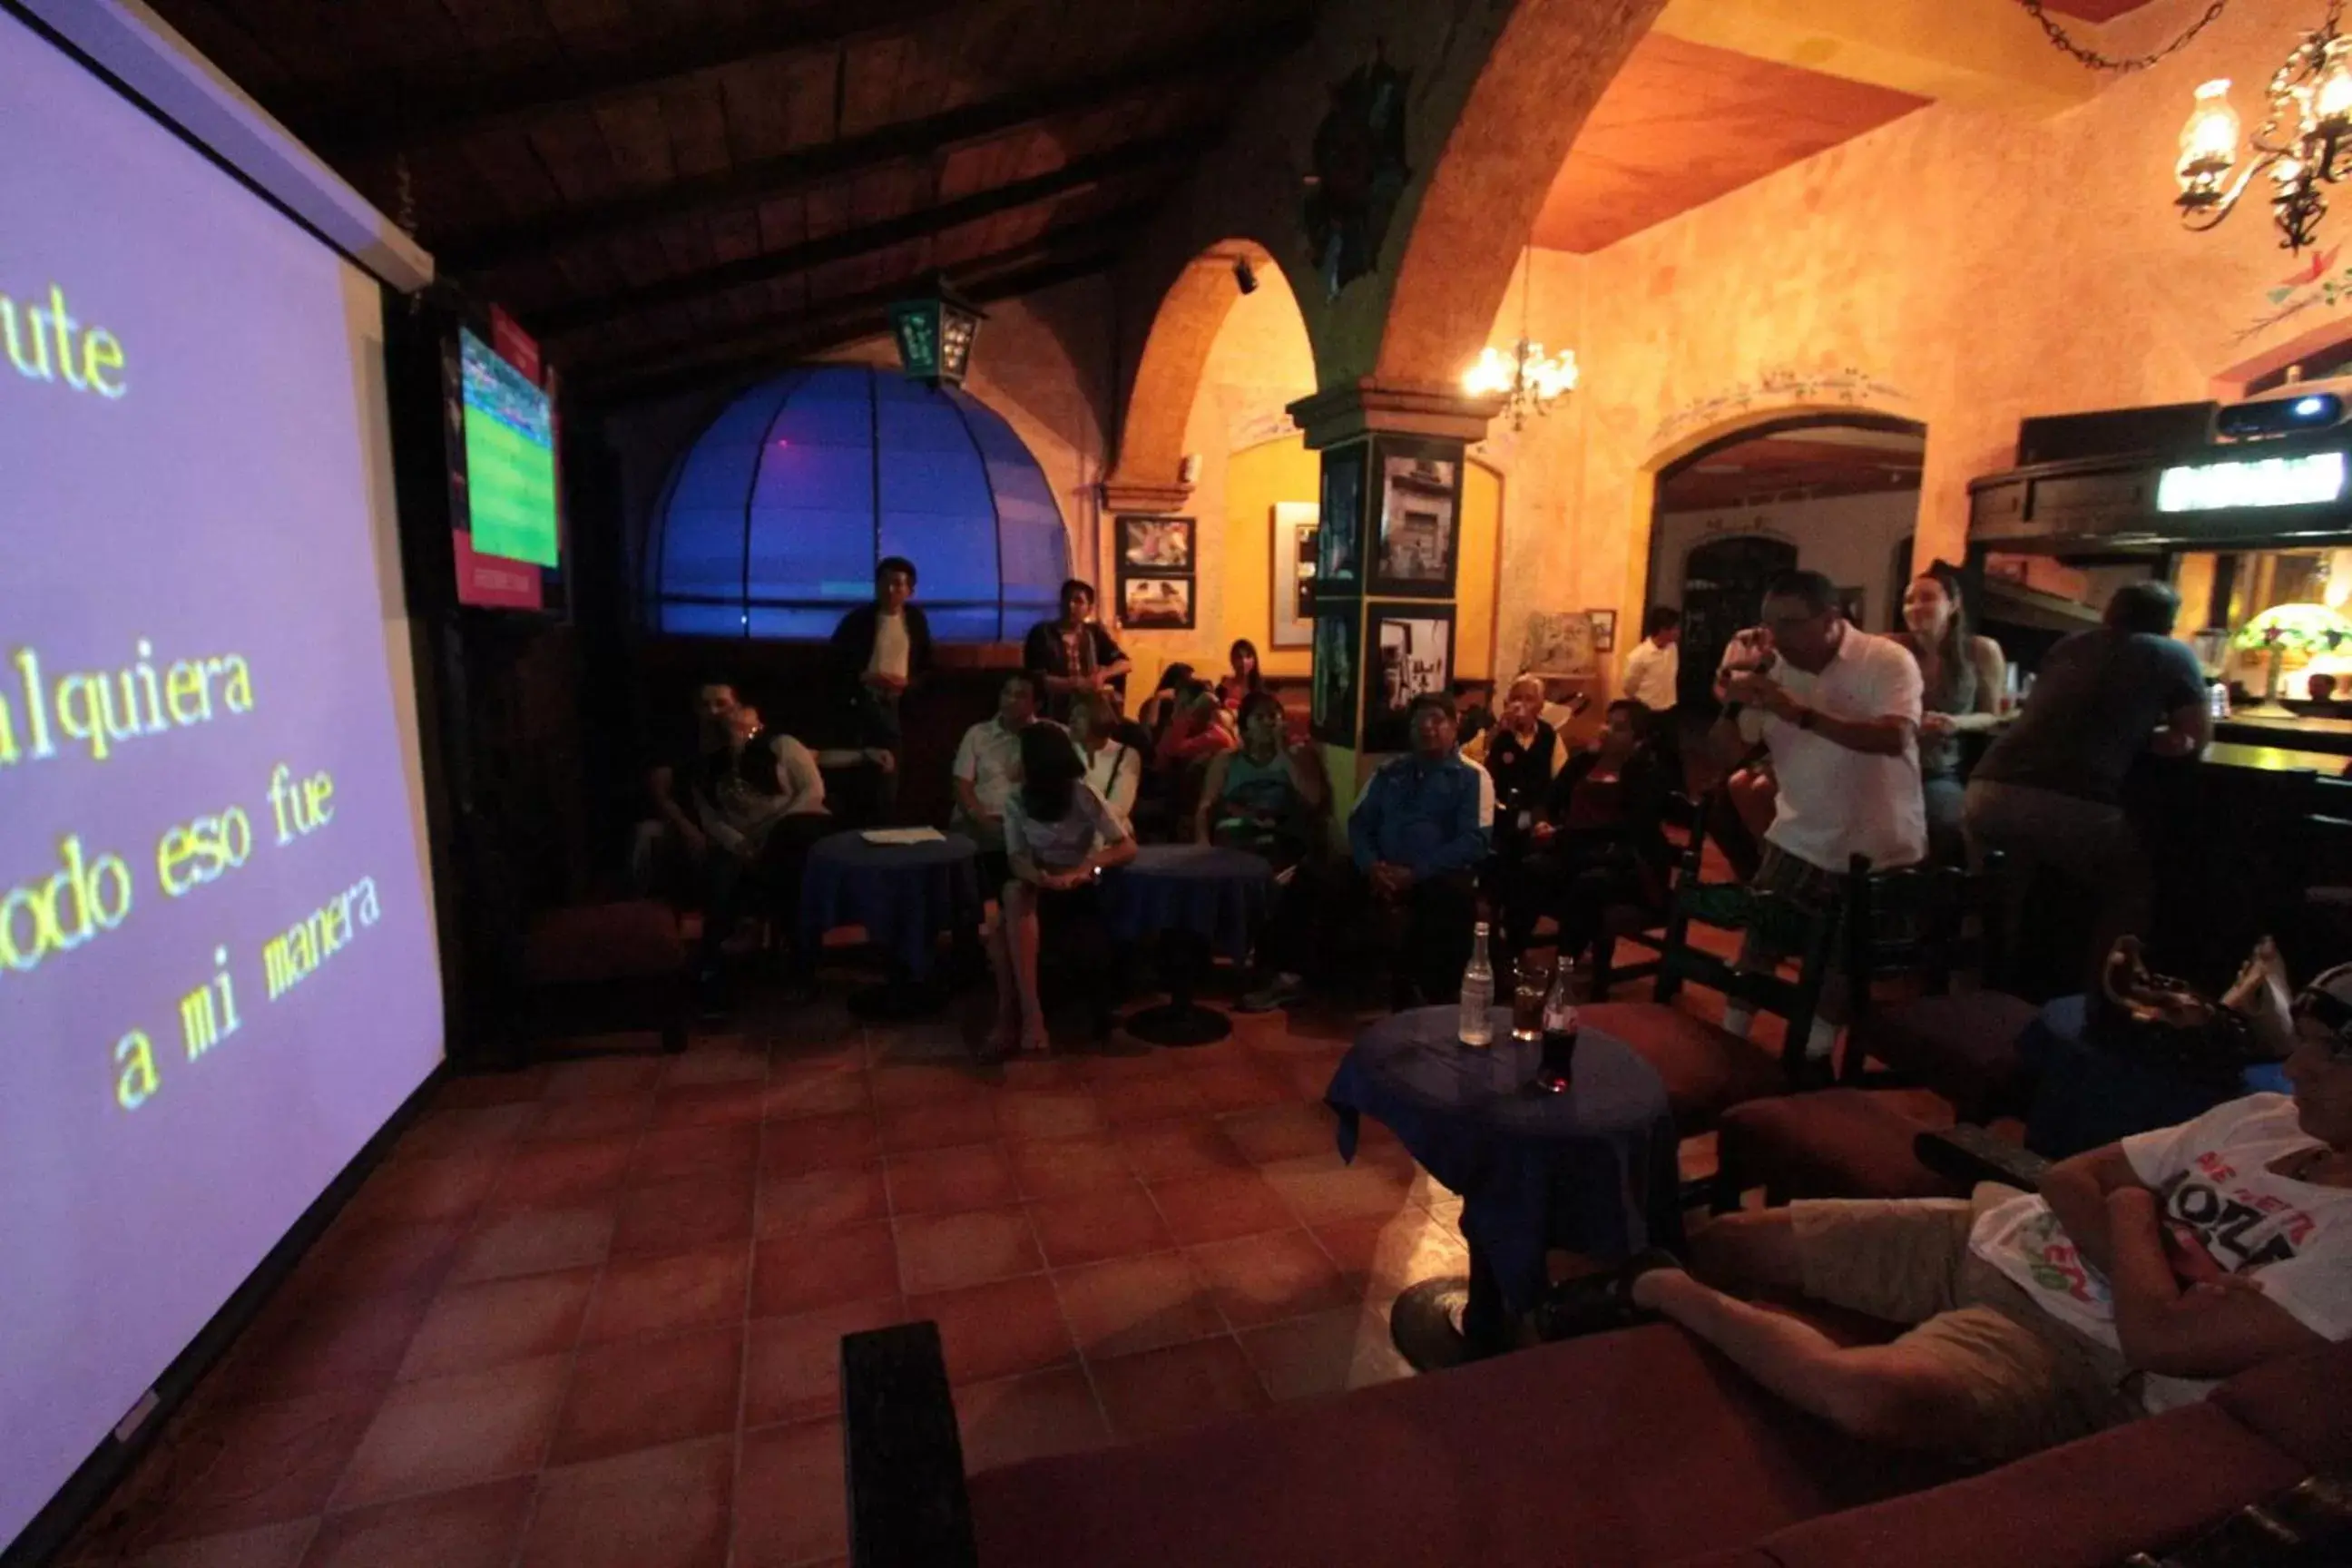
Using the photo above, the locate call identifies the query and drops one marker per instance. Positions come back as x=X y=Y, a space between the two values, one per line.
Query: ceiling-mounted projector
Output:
x=2293 y=409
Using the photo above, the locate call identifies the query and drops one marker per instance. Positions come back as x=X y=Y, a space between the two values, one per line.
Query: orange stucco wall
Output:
x=1960 y=266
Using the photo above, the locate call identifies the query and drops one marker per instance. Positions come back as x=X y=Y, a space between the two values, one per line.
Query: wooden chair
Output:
x=1919 y=931
x=1707 y=1069
x=1641 y=924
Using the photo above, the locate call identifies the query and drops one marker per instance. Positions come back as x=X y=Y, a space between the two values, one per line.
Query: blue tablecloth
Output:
x=1592 y=1170
x=2085 y=1096
x=903 y=895
x=1219 y=895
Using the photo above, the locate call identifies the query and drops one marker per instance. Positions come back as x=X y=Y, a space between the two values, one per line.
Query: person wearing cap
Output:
x=2136 y=1278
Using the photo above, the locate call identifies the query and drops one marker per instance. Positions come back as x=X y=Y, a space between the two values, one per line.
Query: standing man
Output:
x=1654 y=672
x=1074 y=654
x=879 y=651
x=2049 y=791
x=1839 y=711
x=987 y=771
x=1419 y=836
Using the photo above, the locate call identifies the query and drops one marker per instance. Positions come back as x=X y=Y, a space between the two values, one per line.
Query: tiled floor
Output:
x=589 y=1314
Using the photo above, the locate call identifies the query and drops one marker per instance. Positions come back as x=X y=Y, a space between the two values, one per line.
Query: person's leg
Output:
x=1021 y=931
x=1439 y=913
x=1943 y=797
x=1905 y=1395
x=1582 y=907
x=2090 y=844
x=1285 y=941
x=1004 y=962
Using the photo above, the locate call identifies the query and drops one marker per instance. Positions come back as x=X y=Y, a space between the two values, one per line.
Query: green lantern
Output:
x=935 y=334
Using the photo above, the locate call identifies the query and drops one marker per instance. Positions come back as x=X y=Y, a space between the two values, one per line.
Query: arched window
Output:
x=773 y=520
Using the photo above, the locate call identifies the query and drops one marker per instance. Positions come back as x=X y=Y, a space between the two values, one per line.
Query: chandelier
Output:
x=1528 y=378
x=2304 y=146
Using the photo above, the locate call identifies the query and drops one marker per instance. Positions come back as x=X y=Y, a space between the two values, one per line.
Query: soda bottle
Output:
x=1560 y=1026
x=1479 y=995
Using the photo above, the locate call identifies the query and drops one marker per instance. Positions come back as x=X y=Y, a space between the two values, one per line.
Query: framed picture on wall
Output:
x=1338 y=677
x=1416 y=548
x=1605 y=630
x=1155 y=604
x=1340 y=540
x=1409 y=653
x=1155 y=544
x=1295 y=528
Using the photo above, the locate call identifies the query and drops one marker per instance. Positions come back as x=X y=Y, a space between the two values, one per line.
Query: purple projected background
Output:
x=216 y=504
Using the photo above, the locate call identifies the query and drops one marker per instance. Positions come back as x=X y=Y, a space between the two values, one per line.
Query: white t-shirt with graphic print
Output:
x=2213 y=1176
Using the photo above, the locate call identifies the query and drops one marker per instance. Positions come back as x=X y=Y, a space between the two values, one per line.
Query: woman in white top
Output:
x=1059 y=836
x=1114 y=768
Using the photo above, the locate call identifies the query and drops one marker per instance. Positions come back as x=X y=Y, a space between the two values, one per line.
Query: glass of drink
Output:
x=1531 y=986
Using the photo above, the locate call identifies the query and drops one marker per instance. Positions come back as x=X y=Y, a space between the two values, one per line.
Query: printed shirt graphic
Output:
x=2215 y=1179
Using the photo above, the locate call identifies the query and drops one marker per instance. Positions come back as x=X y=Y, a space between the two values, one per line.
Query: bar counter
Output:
x=2294 y=732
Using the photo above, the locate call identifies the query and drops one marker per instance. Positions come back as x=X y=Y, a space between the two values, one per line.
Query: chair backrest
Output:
x=1929 y=923
x=1804 y=936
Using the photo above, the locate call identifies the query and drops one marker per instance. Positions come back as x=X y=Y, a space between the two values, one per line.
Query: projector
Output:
x=2293 y=409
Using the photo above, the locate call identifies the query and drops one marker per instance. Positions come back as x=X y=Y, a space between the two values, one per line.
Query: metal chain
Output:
x=2099 y=62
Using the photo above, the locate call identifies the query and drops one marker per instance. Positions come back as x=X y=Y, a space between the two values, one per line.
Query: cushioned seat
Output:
x=1964 y=1047
x=1707 y=1069
x=1834 y=1143
x=1587 y=1452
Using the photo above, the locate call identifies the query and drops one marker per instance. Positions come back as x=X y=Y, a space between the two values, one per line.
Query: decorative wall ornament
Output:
x=2317 y=284
x=1850 y=387
x=1358 y=172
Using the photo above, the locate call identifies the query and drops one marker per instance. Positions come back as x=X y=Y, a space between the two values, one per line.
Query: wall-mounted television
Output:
x=505 y=499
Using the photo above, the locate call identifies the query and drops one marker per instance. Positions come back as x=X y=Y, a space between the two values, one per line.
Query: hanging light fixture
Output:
x=935 y=334
x=2303 y=145
x=1528 y=378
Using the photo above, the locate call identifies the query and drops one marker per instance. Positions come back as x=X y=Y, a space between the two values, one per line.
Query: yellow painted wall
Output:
x=1476 y=580
x=1256 y=478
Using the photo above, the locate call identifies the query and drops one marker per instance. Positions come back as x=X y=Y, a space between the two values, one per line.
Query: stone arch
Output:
x=1479 y=206
x=1159 y=398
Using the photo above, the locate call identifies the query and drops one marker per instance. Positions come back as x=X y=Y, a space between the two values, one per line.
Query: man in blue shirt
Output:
x=1419 y=835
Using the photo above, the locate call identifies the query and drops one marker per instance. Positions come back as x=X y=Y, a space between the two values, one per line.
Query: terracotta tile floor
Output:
x=589 y=1314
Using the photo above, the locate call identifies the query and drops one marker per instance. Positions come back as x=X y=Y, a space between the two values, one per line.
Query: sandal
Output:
x=1600 y=1303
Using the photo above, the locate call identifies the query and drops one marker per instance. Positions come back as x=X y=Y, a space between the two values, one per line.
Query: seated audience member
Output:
x=2140 y=1275
x=1265 y=798
x=1244 y=677
x=1059 y=835
x=1961 y=680
x=1073 y=654
x=1475 y=701
x=1418 y=836
x=671 y=847
x=761 y=807
x=1198 y=729
x=879 y=651
x=2048 y=792
x=1160 y=706
x=1113 y=767
x=1521 y=755
x=1600 y=840
x=987 y=771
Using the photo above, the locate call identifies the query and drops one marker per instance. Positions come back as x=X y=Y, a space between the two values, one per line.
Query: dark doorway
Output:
x=1723 y=593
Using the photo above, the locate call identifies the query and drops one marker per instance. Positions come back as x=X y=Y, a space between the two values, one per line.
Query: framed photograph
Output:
x=1156 y=603
x=1415 y=549
x=1297 y=525
x=1340 y=542
x=1409 y=652
x=1155 y=544
x=1338 y=678
x=1558 y=643
x=1605 y=630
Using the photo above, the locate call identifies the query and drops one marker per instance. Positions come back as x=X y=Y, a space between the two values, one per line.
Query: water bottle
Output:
x=1479 y=995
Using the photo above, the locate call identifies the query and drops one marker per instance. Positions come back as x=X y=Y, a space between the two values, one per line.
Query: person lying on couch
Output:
x=2140 y=1275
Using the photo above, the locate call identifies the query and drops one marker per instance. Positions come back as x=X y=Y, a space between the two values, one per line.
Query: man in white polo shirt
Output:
x=1839 y=711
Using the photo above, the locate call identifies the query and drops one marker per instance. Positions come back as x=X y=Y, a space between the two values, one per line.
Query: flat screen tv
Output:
x=505 y=506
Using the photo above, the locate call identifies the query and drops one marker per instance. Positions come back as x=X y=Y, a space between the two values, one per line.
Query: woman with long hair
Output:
x=1059 y=836
x=1963 y=679
x=1244 y=677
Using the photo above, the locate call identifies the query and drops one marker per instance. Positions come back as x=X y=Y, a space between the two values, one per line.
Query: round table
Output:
x=1592 y=1169
x=905 y=895
x=1197 y=897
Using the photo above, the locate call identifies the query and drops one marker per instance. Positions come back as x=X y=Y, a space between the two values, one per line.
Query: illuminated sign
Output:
x=2253 y=482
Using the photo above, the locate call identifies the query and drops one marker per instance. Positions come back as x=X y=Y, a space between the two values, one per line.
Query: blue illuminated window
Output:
x=774 y=519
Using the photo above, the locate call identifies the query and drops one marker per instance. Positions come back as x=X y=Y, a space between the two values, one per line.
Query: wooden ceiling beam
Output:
x=1135 y=157
x=413 y=114
x=1244 y=49
x=1094 y=234
x=860 y=316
